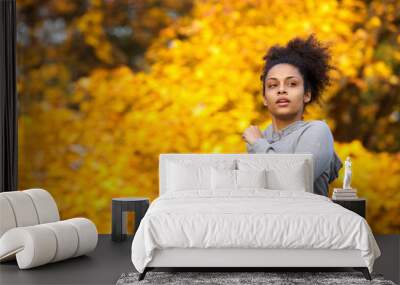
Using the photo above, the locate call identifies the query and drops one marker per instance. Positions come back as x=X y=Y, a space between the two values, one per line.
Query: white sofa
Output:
x=31 y=231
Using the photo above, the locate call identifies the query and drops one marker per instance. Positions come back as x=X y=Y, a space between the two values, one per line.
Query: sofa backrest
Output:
x=26 y=208
x=282 y=164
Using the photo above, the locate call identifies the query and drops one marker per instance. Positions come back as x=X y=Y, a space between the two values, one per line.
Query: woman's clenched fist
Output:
x=251 y=134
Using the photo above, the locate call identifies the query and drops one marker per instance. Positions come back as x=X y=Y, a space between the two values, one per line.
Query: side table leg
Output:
x=117 y=222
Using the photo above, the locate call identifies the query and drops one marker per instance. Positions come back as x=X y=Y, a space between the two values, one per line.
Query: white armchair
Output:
x=31 y=230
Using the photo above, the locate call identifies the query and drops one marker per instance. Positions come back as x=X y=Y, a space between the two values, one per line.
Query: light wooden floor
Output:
x=111 y=259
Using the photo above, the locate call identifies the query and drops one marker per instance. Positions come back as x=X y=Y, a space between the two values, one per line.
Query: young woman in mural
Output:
x=293 y=77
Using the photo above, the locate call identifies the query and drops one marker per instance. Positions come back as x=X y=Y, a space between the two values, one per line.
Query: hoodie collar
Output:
x=273 y=136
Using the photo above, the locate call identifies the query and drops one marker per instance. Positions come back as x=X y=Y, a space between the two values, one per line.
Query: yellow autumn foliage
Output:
x=100 y=136
x=376 y=178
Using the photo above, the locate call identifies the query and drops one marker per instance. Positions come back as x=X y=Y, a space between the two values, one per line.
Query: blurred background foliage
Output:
x=105 y=86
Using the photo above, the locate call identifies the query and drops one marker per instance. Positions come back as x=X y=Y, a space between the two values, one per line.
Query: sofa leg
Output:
x=143 y=274
x=364 y=271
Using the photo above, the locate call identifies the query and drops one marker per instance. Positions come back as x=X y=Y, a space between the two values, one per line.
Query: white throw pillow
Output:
x=227 y=179
x=223 y=179
x=193 y=174
x=281 y=174
x=293 y=180
x=188 y=177
x=251 y=178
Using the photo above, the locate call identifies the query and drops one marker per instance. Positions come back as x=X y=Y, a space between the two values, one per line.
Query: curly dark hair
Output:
x=309 y=56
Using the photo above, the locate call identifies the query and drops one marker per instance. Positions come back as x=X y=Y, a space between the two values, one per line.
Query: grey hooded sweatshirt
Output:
x=304 y=137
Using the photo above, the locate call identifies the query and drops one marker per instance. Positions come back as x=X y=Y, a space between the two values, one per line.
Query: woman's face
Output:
x=284 y=92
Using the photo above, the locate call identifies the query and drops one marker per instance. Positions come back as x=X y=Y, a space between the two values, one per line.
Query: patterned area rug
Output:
x=229 y=278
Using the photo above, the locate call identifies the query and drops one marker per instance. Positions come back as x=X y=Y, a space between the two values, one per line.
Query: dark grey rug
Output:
x=228 y=278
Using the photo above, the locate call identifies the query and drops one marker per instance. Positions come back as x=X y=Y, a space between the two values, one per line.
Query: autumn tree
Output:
x=97 y=135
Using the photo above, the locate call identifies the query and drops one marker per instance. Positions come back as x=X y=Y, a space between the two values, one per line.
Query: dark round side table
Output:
x=120 y=206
